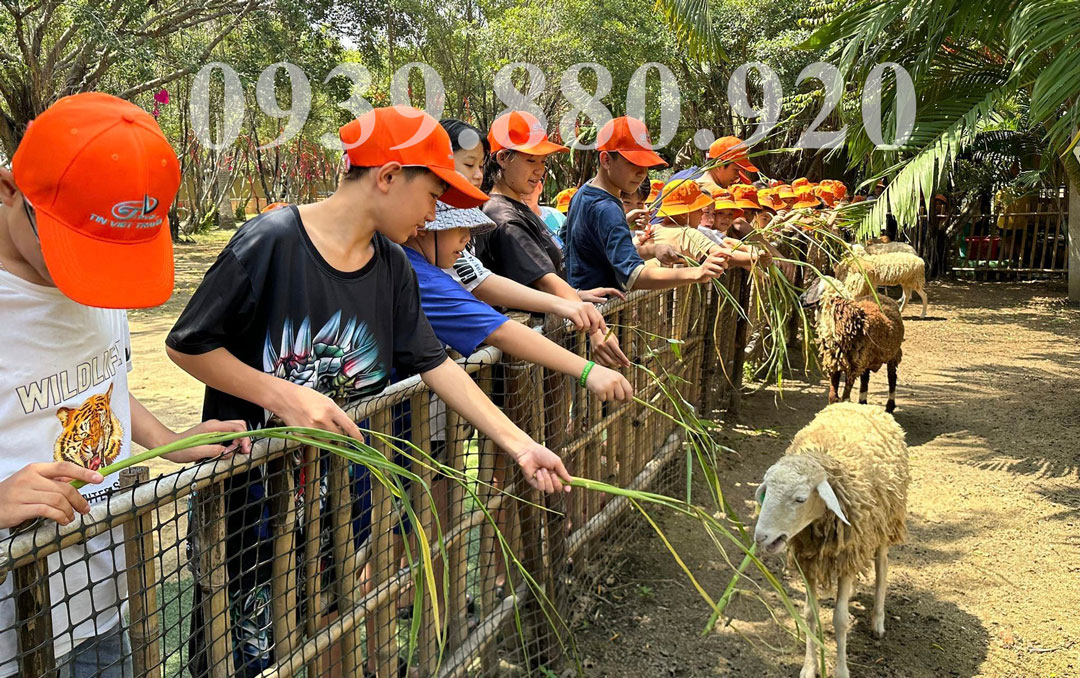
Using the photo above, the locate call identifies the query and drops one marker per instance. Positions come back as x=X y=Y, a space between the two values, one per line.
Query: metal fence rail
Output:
x=292 y=562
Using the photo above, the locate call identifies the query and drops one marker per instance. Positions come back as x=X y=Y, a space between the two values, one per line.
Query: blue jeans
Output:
x=107 y=656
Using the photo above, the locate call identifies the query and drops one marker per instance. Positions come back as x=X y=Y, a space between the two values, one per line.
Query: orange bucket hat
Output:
x=655 y=186
x=521 y=131
x=731 y=149
x=723 y=200
x=682 y=197
x=804 y=197
x=826 y=194
x=100 y=177
x=786 y=193
x=768 y=199
x=562 y=199
x=745 y=196
x=801 y=181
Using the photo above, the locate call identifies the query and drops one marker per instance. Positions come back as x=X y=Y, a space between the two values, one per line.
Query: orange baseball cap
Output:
x=521 y=131
x=100 y=177
x=801 y=181
x=629 y=137
x=414 y=139
x=723 y=200
x=745 y=196
x=731 y=149
x=273 y=206
x=839 y=188
x=768 y=199
x=562 y=199
x=683 y=196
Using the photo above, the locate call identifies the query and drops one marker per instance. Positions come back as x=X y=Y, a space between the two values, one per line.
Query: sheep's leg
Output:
x=834 y=384
x=864 y=386
x=881 y=574
x=849 y=382
x=922 y=295
x=891 y=405
x=905 y=294
x=809 y=669
x=841 y=623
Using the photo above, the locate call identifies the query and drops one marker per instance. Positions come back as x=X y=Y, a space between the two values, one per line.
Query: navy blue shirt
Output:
x=459 y=319
x=600 y=248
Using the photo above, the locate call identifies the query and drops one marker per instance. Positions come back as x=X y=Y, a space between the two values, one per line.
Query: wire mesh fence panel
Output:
x=298 y=561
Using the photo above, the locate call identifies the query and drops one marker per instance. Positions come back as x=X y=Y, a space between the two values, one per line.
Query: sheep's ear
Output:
x=824 y=489
x=760 y=494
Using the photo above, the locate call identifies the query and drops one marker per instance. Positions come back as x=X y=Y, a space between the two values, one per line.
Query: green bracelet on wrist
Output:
x=585 y=372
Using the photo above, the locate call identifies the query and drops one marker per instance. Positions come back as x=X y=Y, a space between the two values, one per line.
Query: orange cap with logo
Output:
x=100 y=177
x=629 y=137
x=683 y=196
x=731 y=149
x=521 y=131
x=801 y=181
x=786 y=192
x=562 y=199
x=725 y=201
x=745 y=196
x=412 y=138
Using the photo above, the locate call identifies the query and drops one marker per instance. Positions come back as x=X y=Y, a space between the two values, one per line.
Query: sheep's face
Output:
x=794 y=493
x=820 y=291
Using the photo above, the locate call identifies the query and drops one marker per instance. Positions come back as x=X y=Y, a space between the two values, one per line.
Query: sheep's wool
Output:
x=865 y=458
x=890 y=247
x=889 y=268
x=858 y=335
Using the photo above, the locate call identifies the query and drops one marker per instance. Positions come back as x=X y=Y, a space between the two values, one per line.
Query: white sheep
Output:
x=890 y=247
x=837 y=499
x=866 y=269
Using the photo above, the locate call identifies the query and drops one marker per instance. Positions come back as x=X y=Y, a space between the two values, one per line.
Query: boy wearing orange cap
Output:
x=83 y=233
x=331 y=274
x=734 y=162
x=600 y=250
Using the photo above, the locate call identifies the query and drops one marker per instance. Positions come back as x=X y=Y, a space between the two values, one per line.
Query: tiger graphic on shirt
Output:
x=91 y=435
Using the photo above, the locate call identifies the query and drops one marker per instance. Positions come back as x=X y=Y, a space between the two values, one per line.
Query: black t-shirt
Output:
x=521 y=248
x=278 y=306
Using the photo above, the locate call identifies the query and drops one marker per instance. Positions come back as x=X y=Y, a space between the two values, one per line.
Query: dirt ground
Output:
x=989 y=583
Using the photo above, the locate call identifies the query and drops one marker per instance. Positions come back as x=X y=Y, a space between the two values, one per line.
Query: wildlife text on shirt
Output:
x=51 y=390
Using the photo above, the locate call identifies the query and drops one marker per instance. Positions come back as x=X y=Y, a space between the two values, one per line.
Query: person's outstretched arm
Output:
x=497 y=290
x=656 y=278
x=521 y=342
x=543 y=469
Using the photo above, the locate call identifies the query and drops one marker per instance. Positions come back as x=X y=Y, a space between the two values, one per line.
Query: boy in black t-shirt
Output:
x=311 y=304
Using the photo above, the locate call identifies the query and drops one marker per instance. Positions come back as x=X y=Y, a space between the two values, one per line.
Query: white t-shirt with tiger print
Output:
x=64 y=396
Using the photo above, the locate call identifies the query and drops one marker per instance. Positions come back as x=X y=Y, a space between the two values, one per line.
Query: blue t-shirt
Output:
x=599 y=247
x=554 y=220
x=460 y=320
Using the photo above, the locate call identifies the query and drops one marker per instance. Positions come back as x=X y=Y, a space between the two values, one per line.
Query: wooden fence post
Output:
x=140 y=555
x=33 y=619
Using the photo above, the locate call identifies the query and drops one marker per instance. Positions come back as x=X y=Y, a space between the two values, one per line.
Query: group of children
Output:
x=434 y=229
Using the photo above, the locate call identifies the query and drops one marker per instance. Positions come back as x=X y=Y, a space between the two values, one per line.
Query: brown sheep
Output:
x=856 y=336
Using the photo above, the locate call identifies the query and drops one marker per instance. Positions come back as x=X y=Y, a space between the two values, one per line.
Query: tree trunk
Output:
x=225 y=217
x=1071 y=162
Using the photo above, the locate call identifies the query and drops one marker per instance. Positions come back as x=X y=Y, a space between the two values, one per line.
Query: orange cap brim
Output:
x=643 y=158
x=747 y=205
x=563 y=208
x=800 y=204
x=103 y=274
x=545 y=147
x=461 y=193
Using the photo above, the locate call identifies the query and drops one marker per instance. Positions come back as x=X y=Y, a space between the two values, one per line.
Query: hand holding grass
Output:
x=43 y=491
